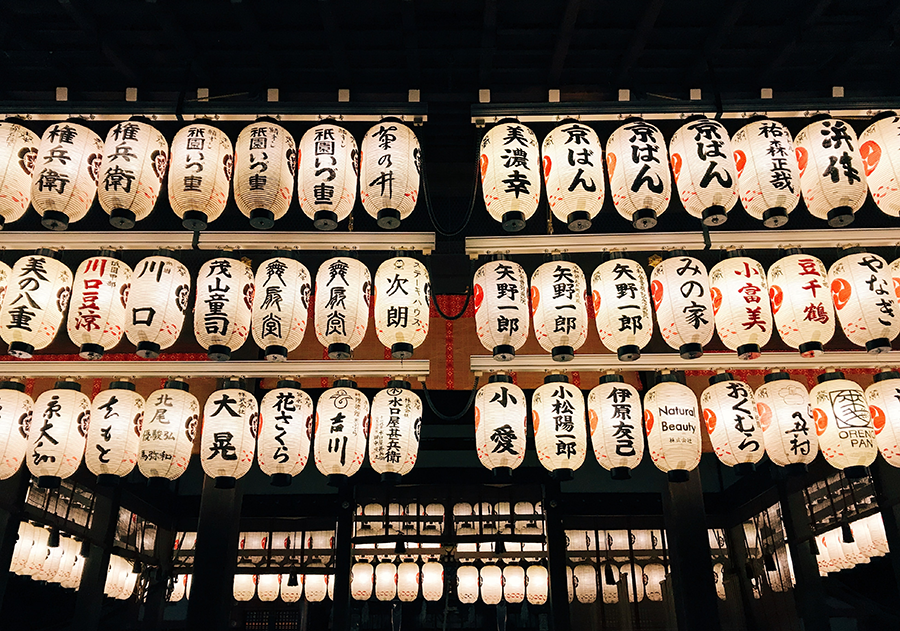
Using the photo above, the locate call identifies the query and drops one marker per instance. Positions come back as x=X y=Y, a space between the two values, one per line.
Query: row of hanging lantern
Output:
x=761 y=164
x=617 y=544
x=45 y=556
x=290 y=587
x=846 y=546
x=405 y=581
x=607 y=580
x=62 y=173
x=493 y=584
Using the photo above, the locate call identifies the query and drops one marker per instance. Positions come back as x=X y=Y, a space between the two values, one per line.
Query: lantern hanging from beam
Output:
x=228 y=439
x=500 y=425
x=880 y=150
x=786 y=419
x=510 y=174
x=385 y=581
x=156 y=304
x=408 y=582
x=115 y=433
x=395 y=430
x=633 y=576
x=280 y=306
x=843 y=424
x=16 y=411
x=97 y=317
x=390 y=167
x=585 y=580
x=362 y=577
x=328 y=168
x=638 y=165
x=614 y=413
x=244 y=587
x=803 y=311
x=558 y=295
x=291 y=593
x=171 y=416
x=609 y=580
x=741 y=307
x=285 y=432
x=467 y=584
x=884 y=409
x=18 y=154
x=622 y=312
x=513 y=583
x=491 y=584
x=560 y=434
x=683 y=303
x=732 y=420
x=500 y=294
x=342 y=428
x=200 y=170
x=58 y=430
x=672 y=424
x=267 y=587
x=432 y=581
x=401 y=293
x=866 y=307
x=343 y=289
x=768 y=175
x=573 y=174
x=536 y=584
x=223 y=306
x=265 y=159
x=315 y=587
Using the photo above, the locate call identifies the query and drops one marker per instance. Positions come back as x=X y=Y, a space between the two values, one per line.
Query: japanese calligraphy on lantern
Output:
x=560 y=434
x=343 y=289
x=401 y=305
x=201 y=167
x=730 y=414
x=222 y=310
x=389 y=172
x=683 y=304
x=97 y=317
x=510 y=174
x=171 y=417
x=228 y=438
x=843 y=424
x=58 y=430
x=500 y=294
x=883 y=398
x=801 y=304
x=18 y=154
x=342 y=429
x=622 y=311
x=281 y=296
x=786 y=420
x=156 y=303
x=16 y=413
x=741 y=306
x=265 y=160
x=113 y=438
x=573 y=174
x=285 y=433
x=866 y=307
x=879 y=148
x=328 y=175
x=558 y=293
x=614 y=415
x=768 y=175
x=638 y=165
x=395 y=430
x=703 y=166
x=500 y=424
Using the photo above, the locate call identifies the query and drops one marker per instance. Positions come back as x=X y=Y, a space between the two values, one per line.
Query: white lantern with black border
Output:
x=390 y=167
x=171 y=417
x=798 y=291
x=622 y=312
x=408 y=581
x=5 y=279
x=223 y=306
x=843 y=424
x=113 y=439
x=200 y=169
x=672 y=424
x=786 y=420
x=614 y=415
x=228 y=438
x=537 y=583
x=741 y=307
x=385 y=581
x=491 y=584
x=500 y=425
x=16 y=412
x=560 y=433
x=282 y=290
x=884 y=409
x=401 y=293
x=510 y=173
x=500 y=294
x=156 y=304
x=861 y=290
x=58 y=431
x=362 y=579
x=97 y=317
x=732 y=420
x=637 y=161
x=396 y=425
x=880 y=153
x=768 y=175
x=285 y=431
x=558 y=296
x=683 y=303
x=265 y=158
x=328 y=168
x=343 y=290
x=573 y=174
x=342 y=429
x=18 y=153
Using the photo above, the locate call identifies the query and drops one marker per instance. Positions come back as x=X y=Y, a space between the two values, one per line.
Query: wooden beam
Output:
x=563 y=41
x=638 y=41
x=88 y=25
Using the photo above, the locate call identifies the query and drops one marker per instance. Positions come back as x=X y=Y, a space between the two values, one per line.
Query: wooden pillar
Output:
x=155 y=603
x=557 y=557
x=343 y=560
x=886 y=480
x=12 y=502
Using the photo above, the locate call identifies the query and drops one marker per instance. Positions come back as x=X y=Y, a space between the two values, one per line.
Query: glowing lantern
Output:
x=570 y=583
x=408 y=582
x=178 y=588
x=878 y=150
x=385 y=581
x=171 y=415
x=513 y=583
x=222 y=308
x=719 y=577
x=315 y=587
x=768 y=175
x=510 y=178
x=244 y=587
x=500 y=293
x=866 y=307
x=884 y=409
x=655 y=574
x=672 y=425
x=573 y=174
x=200 y=170
x=267 y=587
x=622 y=307
x=401 y=305
x=97 y=318
x=558 y=294
x=614 y=414
x=846 y=434
x=704 y=170
x=786 y=420
x=389 y=172
x=467 y=584
x=729 y=411
x=832 y=176
x=342 y=428
x=491 y=585
x=804 y=315
x=285 y=431
x=585 y=578
x=38 y=552
x=560 y=434
x=18 y=151
x=342 y=305
x=362 y=576
x=157 y=301
x=633 y=576
x=328 y=169
x=280 y=306
x=537 y=583
x=22 y=549
x=291 y=593
x=228 y=439
x=265 y=158
x=740 y=297
x=114 y=436
x=500 y=424
x=395 y=430
x=16 y=410
x=638 y=165
x=32 y=311
x=432 y=581
x=683 y=303
x=609 y=583
x=57 y=437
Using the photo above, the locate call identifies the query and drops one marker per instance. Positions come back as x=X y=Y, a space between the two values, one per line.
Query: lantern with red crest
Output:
x=804 y=314
x=786 y=421
x=638 y=165
x=683 y=304
x=18 y=151
x=880 y=150
x=866 y=307
x=741 y=307
x=500 y=293
x=573 y=174
x=510 y=156
x=768 y=175
x=884 y=408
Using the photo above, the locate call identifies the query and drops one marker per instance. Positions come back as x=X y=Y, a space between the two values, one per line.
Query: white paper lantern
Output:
x=315 y=587
x=633 y=576
x=804 y=314
x=614 y=415
x=866 y=307
x=560 y=433
x=408 y=582
x=58 y=430
x=18 y=153
x=32 y=311
x=884 y=409
x=510 y=174
x=285 y=432
x=609 y=579
x=491 y=585
x=385 y=582
x=395 y=430
x=267 y=587
x=156 y=304
x=38 y=553
x=536 y=584
x=178 y=587
x=342 y=428
x=832 y=173
x=280 y=306
x=244 y=587
x=171 y=416
x=500 y=424
x=786 y=420
x=570 y=583
x=622 y=313
x=228 y=439
x=16 y=412
x=879 y=152
x=683 y=303
x=638 y=165
x=291 y=593
x=401 y=293
x=75 y=578
x=672 y=424
x=64 y=182
x=719 y=578
x=328 y=175
x=222 y=308
x=389 y=172
x=467 y=584
x=841 y=414
x=115 y=433
x=362 y=576
x=704 y=170
x=50 y=566
x=513 y=583
x=200 y=169
x=573 y=174
x=432 y=581
x=343 y=287
x=741 y=307
x=729 y=411
x=585 y=578
x=22 y=549
x=265 y=158
x=500 y=293
x=97 y=319
x=768 y=175
x=655 y=574
x=558 y=296
x=67 y=562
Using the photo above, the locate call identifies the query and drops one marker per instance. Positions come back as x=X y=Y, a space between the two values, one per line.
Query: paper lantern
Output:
x=228 y=439
x=633 y=575
x=622 y=312
x=222 y=308
x=570 y=584
x=156 y=304
x=558 y=295
x=385 y=582
x=244 y=587
x=200 y=169
x=845 y=430
x=655 y=574
x=67 y=560
x=500 y=294
x=704 y=170
x=536 y=584
x=578 y=541
x=879 y=151
x=75 y=579
x=36 y=299
x=609 y=579
x=638 y=165
x=97 y=319
x=408 y=582
x=389 y=172
x=50 y=566
x=291 y=593
x=18 y=153
x=16 y=411
x=671 y=422
x=875 y=524
x=315 y=587
x=285 y=432
x=683 y=303
x=178 y=587
x=491 y=585
x=614 y=414
x=866 y=307
x=22 y=549
x=729 y=411
x=115 y=576
x=832 y=173
x=362 y=576
x=171 y=415
x=786 y=420
x=803 y=313
x=267 y=587
x=343 y=287
x=500 y=424
x=265 y=158
x=585 y=579
x=115 y=433
x=432 y=581
x=884 y=410
x=513 y=583
x=342 y=428
x=467 y=584
x=719 y=578
x=280 y=306
x=573 y=174
x=768 y=175
x=741 y=308
x=328 y=167
x=395 y=430
x=57 y=436
x=64 y=182
x=38 y=553
x=510 y=174
x=560 y=434
x=401 y=294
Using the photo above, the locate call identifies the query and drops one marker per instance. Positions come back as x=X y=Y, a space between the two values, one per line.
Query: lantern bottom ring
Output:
x=54 y=220
x=280 y=479
x=691 y=350
x=218 y=352
x=678 y=475
x=22 y=350
x=402 y=350
x=262 y=218
x=504 y=352
x=325 y=220
x=194 y=220
x=744 y=468
x=107 y=479
x=878 y=345
x=748 y=351
x=643 y=218
x=158 y=483
x=628 y=353
x=775 y=217
x=562 y=475
x=148 y=350
x=49 y=481
x=388 y=218
x=579 y=221
x=276 y=353
x=840 y=217
x=714 y=216
x=503 y=474
x=563 y=353
x=337 y=479
x=620 y=473
x=795 y=468
x=91 y=351
x=122 y=218
x=339 y=350
x=811 y=349
x=225 y=482
x=856 y=472
x=391 y=477
x=513 y=221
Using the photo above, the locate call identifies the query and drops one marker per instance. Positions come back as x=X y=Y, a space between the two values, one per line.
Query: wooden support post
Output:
x=155 y=603
x=12 y=502
x=557 y=557
x=343 y=560
x=886 y=479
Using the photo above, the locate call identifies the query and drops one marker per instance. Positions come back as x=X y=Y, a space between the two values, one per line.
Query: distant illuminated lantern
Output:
x=866 y=307
x=228 y=438
x=408 y=582
x=672 y=424
x=884 y=409
x=585 y=579
x=683 y=303
x=730 y=414
x=171 y=417
x=491 y=585
x=362 y=578
x=614 y=414
x=97 y=317
x=622 y=311
x=510 y=174
x=803 y=311
x=156 y=304
x=18 y=153
x=467 y=584
x=285 y=431
x=389 y=172
x=500 y=425
x=879 y=150
x=609 y=580
x=282 y=291
x=639 y=179
x=265 y=159
x=741 y=307
x=328 y=174
x=432 y=581
x=396 y=425
x=573 y=174
x=558 y=294
x=315 y=587
x=16 y=411
x=267 y=587
x=655 y=574
x=401 y=293
x=843 y=424
x=244 y=587
x=291 y=593
x=633 y=576
x=114 y=435
x=786 y=419
x=513 y=583
x=222 y=308
x=537 y=583
x=500 y=295
x=58 y=431
x=560 y=434
x=342 y=428
x=385 y=581
x=343 y=289
x=768 y=175
x=200 y=171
